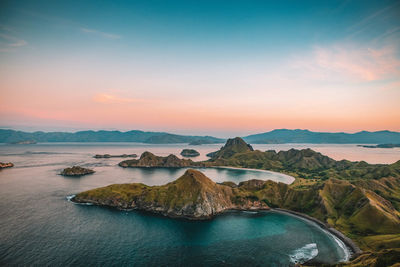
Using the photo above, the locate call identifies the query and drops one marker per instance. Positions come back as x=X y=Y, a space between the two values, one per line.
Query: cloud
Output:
x=9 y=43
x=355 y=62
x=101 y=34
x=113 y=99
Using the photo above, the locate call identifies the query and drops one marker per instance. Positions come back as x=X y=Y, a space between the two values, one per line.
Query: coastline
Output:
x=353 y=248
x=258 y=170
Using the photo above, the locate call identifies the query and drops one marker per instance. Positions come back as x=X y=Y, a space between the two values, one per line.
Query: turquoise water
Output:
x=39 y=226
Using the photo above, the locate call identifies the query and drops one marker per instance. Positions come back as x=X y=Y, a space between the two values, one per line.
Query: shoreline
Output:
x=257 y=170
x=350 y=248
x=353 y=248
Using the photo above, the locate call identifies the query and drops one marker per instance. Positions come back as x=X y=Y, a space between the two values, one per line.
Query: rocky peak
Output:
x=195 y=176
x=147 y=154
x=232 y=146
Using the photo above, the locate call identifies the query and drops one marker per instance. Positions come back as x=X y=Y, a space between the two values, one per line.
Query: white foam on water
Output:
x=304 y=254
x=346 y=251
x=72 y=196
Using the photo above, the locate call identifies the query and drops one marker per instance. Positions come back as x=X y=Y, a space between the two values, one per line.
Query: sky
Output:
x=220 y=68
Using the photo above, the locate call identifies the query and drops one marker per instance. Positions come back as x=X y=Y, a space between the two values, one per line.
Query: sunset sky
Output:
x=222 y=68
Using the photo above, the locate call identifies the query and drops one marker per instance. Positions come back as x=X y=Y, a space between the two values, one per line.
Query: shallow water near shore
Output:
x=39 y=226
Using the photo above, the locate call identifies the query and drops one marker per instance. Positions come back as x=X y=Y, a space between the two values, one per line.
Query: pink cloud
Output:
x=359 y=63
x=113 y=99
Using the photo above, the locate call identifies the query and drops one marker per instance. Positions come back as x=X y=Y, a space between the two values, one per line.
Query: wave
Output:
x=304 y=254
x=70 y=197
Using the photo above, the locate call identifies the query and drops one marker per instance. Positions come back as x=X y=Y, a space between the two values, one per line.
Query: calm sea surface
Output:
x=39 y=226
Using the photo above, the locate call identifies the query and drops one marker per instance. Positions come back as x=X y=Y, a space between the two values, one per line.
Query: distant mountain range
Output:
x=272 y=137
x=12 y=136
x=306 y=136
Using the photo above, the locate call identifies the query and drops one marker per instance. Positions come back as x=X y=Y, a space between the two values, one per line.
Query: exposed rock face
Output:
x=76 y=171
x=148 y=159
x=232 y=146
x=6 y=165
x=192 y=196
x=190 y=153
x=106 y=156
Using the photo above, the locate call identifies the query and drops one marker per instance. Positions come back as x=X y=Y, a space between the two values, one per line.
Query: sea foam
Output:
x=304 y=254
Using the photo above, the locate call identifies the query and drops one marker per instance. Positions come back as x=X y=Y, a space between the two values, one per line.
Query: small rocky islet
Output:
x=4 y=165
x=190 y=153
x=107 y=156
x=76 y=171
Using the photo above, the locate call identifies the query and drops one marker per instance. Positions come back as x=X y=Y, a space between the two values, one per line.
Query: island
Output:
x=204 y=141
x=149 y=160
x=4 y=165
x=107 y=156
x=76 y=171
x=360 y=200
x=381 y=146
x=190 y=153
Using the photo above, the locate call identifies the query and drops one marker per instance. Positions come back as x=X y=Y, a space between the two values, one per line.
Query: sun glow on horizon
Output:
x=159 y=67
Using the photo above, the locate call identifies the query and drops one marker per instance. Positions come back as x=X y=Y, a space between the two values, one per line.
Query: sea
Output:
x=39 y=226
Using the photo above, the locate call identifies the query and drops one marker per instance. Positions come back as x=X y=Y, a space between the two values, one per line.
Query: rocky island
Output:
x=76 y=171
x=4 y=165
x=381 y=146
x=359 y=199
x=148 y=159
x=107 y=156
x=190 y=153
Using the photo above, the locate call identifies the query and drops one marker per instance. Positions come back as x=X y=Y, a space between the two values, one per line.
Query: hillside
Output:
x=12 y=136
x=353 y=208
x=192 y=196
x=306 y=163
x=308 y=137
x=148 y=159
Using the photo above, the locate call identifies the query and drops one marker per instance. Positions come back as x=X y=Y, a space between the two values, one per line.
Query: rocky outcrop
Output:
x=190 y=153
x=148 y=159
x=232 y=146
x=76 y=171
x=4 y=165
x=107 y=156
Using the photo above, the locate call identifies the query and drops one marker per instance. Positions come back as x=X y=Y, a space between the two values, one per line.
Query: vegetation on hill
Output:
x=232 y=147
x=361 y=200
x=309 y=164
x=148 y=159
